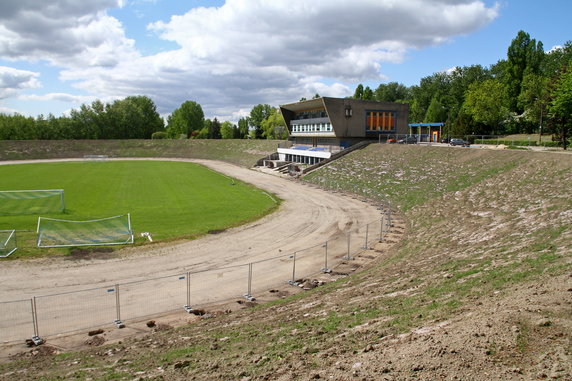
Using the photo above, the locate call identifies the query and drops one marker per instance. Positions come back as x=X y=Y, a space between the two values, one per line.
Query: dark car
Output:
x=459 y=142
x=445 y=140
x=408 y=140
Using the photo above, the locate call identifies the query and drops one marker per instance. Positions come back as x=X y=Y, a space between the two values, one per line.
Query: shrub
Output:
x=522 y=143
x=159 y=135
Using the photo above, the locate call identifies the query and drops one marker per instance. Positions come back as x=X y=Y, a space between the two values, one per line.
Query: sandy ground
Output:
x=307 y=217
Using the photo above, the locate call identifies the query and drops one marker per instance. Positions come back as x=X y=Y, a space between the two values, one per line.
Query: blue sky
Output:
x=231 y=55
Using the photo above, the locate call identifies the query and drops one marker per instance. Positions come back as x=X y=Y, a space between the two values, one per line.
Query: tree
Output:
x=134 y=117
x=484 y=103
x=150 y=121
x=459 y=80
x=358 y=94
x=203 y=133
x=243 y=128
x=561 y=105
x=368 y=94
x=214 y=129
x=392 y=92
x=534 y=98
x=556 y=61
x=435 y=112
x=228 y=130
x=274 y=126
x=187 y=118
x=435 y=85
x=257 y=115
x=524 y=56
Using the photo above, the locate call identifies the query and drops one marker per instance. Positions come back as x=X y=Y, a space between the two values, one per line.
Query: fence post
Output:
x=248 y=294
x=325 y=269
x=118 y=321
x=36 y=338
x=389 y=223
x=365 y=246
x=349 y=258
x=381 y=228
x=187 y=306
x=293 y=280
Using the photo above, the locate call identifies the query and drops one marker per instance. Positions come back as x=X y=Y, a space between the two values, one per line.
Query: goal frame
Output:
x=60 y=191
x=3 y=244
x=127 y=242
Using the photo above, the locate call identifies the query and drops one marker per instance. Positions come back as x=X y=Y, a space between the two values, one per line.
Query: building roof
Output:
x=426 y=124
x=305 y=105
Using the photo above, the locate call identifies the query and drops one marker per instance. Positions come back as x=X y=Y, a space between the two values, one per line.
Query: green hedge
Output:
x=522 y=143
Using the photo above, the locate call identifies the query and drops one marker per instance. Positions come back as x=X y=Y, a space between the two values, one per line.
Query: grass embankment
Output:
x=167 y=199
x=240 y=152
x=481 y=224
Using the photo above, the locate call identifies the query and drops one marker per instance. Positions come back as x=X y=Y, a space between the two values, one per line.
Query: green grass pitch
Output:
x=167 y=199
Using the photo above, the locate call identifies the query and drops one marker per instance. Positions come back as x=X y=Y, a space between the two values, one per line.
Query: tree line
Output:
x=188 y=121
x=136 y=117
x=527 y=91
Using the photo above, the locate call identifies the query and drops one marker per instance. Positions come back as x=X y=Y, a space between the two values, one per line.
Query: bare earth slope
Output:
x=480 y=288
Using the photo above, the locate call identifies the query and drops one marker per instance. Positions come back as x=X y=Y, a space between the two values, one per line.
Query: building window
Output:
x=311 y=114
x=380 y=121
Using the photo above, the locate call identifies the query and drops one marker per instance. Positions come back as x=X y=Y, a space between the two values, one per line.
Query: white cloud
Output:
x=63 y=32
x=13 y=81
x=240 y=54
x=61 y=97
x=554 y=48
x=8 y=110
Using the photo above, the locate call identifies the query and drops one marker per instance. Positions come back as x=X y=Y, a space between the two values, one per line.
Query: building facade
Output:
x=320 y=127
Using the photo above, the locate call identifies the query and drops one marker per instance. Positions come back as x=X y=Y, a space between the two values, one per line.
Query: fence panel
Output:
x=337 y=249
x=275 y=272
x=372 y=233
x=16 y=321
x=73 y=311
x=218 y=284
x=357 y=239
x=309 y=261
x=153 y=296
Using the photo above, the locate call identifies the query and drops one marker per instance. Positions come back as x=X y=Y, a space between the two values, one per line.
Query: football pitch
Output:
x=165 y=198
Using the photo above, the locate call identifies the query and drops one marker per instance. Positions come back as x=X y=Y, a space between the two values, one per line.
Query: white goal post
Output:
x=8 y=243
x=65 y=233
x=18 y=202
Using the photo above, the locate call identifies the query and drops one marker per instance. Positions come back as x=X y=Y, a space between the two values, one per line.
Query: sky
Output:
x=230 y=55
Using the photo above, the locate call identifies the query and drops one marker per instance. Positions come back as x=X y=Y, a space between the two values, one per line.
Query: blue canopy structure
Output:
x=432 y=134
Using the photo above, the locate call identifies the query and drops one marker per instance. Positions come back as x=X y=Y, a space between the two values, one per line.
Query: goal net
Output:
x=106 y=231
x=31 y=201
x=7 y=242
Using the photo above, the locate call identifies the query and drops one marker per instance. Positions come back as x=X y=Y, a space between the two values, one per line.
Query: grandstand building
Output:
x=324 y=126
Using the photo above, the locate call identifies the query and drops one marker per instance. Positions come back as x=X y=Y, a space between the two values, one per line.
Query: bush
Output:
x=159 y=135
x=521 y=143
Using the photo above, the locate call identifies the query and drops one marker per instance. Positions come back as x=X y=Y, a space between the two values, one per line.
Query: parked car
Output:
x=391 y=141
x=459 y=142
x=445 y=140
x=408 y=140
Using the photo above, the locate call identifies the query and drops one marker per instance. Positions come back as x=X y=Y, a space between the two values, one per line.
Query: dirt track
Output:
x=307 y=217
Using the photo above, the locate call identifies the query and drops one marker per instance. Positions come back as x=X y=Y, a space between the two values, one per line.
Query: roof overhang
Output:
x=304 y=105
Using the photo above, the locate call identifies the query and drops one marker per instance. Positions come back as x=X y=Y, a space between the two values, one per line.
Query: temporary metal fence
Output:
x=50 y=315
